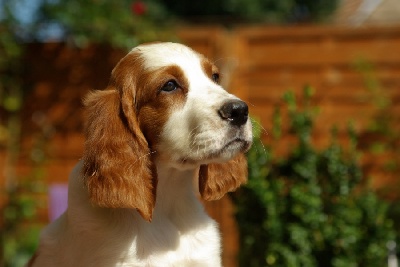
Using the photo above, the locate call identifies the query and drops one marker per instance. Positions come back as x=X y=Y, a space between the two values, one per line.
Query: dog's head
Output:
x=164 y=105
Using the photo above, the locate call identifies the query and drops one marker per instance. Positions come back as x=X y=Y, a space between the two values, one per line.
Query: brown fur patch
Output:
x=208 y=67
x=216 y=179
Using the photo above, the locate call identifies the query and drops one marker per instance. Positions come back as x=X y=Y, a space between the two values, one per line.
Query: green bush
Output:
x=311 y=207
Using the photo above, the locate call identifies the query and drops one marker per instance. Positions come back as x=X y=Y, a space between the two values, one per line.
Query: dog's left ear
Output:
x=216 y=179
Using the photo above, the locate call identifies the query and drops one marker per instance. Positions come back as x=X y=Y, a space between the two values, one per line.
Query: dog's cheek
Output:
x=175 y=134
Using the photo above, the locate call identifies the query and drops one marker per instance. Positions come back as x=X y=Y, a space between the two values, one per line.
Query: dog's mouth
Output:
x=235 y=145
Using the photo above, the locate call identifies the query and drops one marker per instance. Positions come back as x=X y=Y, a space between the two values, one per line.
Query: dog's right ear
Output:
x=117 y=169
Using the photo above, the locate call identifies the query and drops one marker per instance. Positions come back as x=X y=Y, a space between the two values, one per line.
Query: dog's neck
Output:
x=177 y=196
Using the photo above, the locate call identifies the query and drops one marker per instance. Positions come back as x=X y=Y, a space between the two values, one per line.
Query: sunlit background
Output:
x=322 y=79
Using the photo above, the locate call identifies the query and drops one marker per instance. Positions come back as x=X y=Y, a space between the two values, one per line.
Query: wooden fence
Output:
x=351 y=71
x=259 y=63
x=275 y=60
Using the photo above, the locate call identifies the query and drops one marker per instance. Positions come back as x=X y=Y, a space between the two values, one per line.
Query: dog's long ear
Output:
x=117 y=167
x=216 y=179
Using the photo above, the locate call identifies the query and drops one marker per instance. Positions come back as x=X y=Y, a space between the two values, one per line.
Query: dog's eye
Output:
x=169 y=86
x=215 y=77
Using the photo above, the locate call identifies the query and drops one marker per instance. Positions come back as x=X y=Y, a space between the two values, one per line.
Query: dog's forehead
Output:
x=166 y=54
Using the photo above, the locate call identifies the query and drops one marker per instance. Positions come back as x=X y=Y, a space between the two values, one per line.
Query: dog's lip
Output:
x=238 y=144
x=243 y=143
x=231 y=147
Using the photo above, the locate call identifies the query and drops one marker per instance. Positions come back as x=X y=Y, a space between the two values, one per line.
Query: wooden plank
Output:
x=298 y=32
x=320 y=45
x=312 y=53
x=206 y=40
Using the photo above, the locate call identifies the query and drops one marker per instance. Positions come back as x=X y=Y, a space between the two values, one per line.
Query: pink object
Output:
x=58 y=200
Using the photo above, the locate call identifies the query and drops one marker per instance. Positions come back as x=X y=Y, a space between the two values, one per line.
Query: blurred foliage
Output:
x=20 y=228
x=310 y=207
x=24 y=200
x=270 y=11
x=10 y=68
x=19 y=205
x=381 y=136
x=125 y=23
x=11 y=89
x=17 y=237
x=121 y=24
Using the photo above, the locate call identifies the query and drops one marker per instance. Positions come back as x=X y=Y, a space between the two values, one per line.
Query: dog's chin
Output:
x=225 y=153
x=230 y=150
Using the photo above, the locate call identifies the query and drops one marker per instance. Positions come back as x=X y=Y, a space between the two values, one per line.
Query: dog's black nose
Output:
x=235 y=111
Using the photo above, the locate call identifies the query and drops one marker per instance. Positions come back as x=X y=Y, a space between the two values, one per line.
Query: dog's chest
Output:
x=162 y=243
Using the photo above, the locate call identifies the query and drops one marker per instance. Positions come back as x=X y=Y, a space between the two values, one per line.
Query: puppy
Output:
x=160 y=137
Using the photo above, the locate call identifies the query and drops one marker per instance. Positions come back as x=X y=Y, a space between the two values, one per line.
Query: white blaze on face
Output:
x=195 y=133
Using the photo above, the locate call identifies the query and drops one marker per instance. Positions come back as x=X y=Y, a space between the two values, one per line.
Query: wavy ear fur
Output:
x=216 y=179
x=117 y=166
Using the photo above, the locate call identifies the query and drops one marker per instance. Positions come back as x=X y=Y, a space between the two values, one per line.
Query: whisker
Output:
x=263 y=131
x=191 y=134
x=263 y=147
x=254 y=121
x=192 y=131
x=225 y=58
x=249 y=103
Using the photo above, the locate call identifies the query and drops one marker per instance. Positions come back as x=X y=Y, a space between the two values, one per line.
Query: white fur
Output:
x=181 y=233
